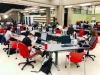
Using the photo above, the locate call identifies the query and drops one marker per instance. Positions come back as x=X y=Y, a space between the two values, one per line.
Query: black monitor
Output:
x=65 y=40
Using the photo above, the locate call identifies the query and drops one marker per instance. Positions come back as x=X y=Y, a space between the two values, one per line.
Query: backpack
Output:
x=46 y=66
x=12 y=51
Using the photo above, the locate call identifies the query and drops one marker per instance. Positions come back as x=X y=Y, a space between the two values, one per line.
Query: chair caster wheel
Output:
x=21 y=69
x=94 y=56
x=65 y=66
x=15 y=58
x=32 y=67
x=34 y=61
x=8 y=56
x=18 y=64
x=78 y=66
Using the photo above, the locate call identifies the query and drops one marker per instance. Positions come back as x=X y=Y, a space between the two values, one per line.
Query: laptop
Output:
x=66 y=41
x=74 y=26
x=43 y=36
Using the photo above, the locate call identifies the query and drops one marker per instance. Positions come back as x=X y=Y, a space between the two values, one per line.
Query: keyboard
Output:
x=67 y=45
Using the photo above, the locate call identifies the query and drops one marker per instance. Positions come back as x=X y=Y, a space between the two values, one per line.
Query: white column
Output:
x=70 y=13
x=60 y=14
x=47 y=15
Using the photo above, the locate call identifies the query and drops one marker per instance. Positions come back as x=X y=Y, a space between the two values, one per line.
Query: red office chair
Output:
x=30 y=25
x=75 y=58
x=97 y=36
x=6 y=43
x=24 y=52
x=90 y=49
x=21 y=28
x=14 y=45
x=58 y=31
x=13 y=29
x=81 y=33
x=1 y=30
x=64 y=27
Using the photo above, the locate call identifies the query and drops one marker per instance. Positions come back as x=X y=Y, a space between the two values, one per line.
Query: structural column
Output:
x=47 y=15
x=69 y=18
x=60 y=14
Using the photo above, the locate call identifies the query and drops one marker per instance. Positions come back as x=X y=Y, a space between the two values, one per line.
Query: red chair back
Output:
x=23 y=50
x=21 y=27
x=97 y=36
x=63 y=27
x=29 y=25
x=97 y=26
x=12 y=28
x=1 y=30
x=13 y=44
x=81 y=33
x=58 y=31
x=76 y=57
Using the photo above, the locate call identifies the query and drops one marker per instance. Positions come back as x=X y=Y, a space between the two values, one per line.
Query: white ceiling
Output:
x=50 y=3
x=29 y=3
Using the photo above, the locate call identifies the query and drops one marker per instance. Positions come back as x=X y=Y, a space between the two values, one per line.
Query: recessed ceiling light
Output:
x=42 y=9
x=68 y=6
x=86 y=4
x=52 y=8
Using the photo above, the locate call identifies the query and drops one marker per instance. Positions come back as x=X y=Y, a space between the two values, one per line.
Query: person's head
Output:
x=31 y=34
x=9 y=28
x=57 y=29
x=92 y=32
x=71 y=25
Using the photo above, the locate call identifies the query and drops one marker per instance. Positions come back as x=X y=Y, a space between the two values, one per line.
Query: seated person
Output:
x=70 y=30
x=28 y=43
x=89 y=42
x=8 y=36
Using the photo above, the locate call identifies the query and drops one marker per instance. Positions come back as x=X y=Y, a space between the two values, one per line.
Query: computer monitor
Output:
x=74 y=25
x=2 y=23
x=65 y=40
x=18 y=32
x=44 y=36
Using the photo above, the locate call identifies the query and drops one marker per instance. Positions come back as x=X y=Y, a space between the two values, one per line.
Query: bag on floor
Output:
x=12 y=51
x=46 y=66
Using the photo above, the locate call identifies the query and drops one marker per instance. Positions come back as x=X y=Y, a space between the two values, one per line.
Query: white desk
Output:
x=20 y=37
x=57 y=48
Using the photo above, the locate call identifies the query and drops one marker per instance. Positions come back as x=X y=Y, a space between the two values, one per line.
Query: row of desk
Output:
x=54 y=48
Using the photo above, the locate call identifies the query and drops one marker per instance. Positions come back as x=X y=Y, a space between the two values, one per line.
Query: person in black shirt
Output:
x=28 y=43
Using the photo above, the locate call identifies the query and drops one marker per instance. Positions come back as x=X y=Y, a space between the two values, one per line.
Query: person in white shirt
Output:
x=43 y=24
x=92 y=24
x=8 y=34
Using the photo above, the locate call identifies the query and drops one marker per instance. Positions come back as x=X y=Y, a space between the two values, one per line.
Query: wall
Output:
x=83 y=17
x=13 y=15
x=78 y=17
x=89 y=17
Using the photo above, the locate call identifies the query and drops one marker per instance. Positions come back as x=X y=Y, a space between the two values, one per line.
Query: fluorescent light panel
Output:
x=68 y=6
x=52 y=8
x=42 y=9
x=86 y=4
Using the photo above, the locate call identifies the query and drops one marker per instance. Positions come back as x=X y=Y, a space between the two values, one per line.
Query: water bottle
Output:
x=46 y=46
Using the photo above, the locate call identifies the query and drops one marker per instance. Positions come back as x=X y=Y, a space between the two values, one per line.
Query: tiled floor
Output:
x=9 y=66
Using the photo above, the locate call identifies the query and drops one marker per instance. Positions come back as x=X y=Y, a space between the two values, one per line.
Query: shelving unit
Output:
x=40 y=20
